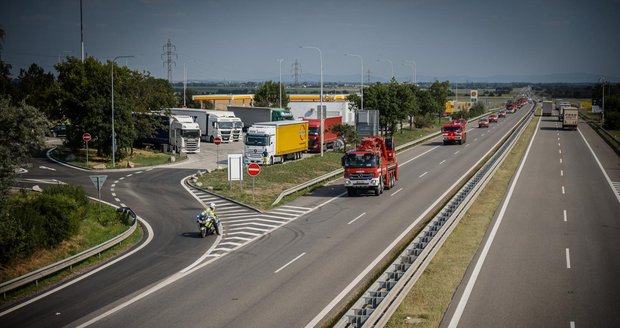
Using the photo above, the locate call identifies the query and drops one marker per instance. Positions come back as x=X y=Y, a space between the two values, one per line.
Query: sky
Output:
x=242 y=40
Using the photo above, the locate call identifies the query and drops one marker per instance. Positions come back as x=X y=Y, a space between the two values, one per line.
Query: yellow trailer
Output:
x=271 y=142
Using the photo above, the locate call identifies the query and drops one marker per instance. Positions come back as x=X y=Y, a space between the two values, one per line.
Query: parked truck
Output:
x=267 y=143
x=252 y=115
x=330 y=138
x=455 y=131
x=178 y=132
x=570 y=118
x=547 y=108
x=371 y=166
x=214 y=123
x=510 y=106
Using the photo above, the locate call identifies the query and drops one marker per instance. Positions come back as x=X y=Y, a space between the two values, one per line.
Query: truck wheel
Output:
x=271 y=160
x=211 y=139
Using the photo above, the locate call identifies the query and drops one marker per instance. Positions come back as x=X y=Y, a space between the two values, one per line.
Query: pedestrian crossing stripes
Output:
x=241 y=224
x=616 y=187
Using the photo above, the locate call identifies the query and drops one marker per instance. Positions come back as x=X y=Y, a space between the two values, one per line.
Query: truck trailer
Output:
x=547 y=108
x=178 y=132
x=252 y=115
x=214 y=123
x=570 y=118
x=267 y=143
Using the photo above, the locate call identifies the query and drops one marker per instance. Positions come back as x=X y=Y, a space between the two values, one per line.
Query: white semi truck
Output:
x=177 y=132
x=547 y=108
x=214 y=123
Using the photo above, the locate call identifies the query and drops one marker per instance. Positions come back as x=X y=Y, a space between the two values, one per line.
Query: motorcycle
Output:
x=208 y=225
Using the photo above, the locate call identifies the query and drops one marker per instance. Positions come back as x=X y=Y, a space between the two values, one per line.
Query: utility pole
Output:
x=167 y=56
x=368 y=77
x=81 y=32
x=296 y=70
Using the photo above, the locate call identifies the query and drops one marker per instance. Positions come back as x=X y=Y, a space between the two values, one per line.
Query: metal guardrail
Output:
x=338 y=171
x=602 y=132
x=382 y=298
x=35 y=276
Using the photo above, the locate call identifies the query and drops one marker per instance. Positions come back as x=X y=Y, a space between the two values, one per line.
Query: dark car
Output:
x=493 y=118
x=483 y=122
x=59 y=130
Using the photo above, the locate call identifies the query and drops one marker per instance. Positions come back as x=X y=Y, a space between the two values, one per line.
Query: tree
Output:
x=346 y=133
x=35 y=87
x=23 y=131
x=6 y=88
x=439 y=92
x=268 y=95
x=428 y=108
x=189 y=102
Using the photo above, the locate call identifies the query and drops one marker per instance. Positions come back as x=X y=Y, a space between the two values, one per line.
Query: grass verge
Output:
x=430 y=297
x=139 y=158
x=91 y=233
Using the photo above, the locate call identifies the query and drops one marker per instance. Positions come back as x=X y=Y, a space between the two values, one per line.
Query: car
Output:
x=501 y=113
x=59 y=130
x=483 y=122
x=493 y=118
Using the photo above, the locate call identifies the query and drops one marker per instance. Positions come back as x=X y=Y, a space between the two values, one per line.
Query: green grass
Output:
x=430 y=297
x=140 y=158
x=91 y=233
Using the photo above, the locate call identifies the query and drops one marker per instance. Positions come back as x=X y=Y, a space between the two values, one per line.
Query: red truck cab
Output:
x=455 y=131
x=371 y=166
x=314 y=133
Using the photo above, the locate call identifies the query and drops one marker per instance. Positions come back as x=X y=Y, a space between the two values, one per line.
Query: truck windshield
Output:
x=313 y=131
x=360 y=160
x=238 y=124
x=225 y=125
x=191 y=133
x=451 y=129
x=256 y=140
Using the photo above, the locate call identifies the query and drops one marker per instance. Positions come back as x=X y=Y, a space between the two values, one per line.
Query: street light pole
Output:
x=114 y=133
x=321 y=102
x=602 y=79
x=362 y=75
x=414 y=78
x=280 y=85
x=391 y=64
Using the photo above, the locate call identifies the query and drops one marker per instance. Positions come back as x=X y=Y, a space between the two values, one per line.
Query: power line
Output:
x=169 y=53
x=368 y=77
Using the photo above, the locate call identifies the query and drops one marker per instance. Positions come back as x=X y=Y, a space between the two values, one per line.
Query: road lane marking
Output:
x=121 y=178
x=423 y=174
x=290 y=262
x=456 y=152
x=113 y=185
x=567 y=259
x=113 y=195
x=396 y=192
x=359 y=216
x=561 y=172
x=564 y=215
x=123 y=205
x=476 y=139
x=442 y=162
x=572 y=324
x=560 y=161
x=129 y=175
x=559 y=145
x=458 y=312
x=116 y=199
x=563 y=191
x=115 y=182
x=424 y=153
x=601 y=167
x=560 y=151
x=467 y=145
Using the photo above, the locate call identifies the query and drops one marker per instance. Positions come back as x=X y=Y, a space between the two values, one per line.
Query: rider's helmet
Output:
x=212 y=206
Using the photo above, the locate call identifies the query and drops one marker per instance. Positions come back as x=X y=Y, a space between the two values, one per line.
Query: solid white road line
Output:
x=567 y=259
x=359 y=216
x=424 y=153
x=396 y=192
x=456 y=317
x=442 y=162
x=601 y=167
x=423 y=174
x=290 y=262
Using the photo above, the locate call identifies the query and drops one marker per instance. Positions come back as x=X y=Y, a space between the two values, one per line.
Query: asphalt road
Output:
x=285 y=277
x=555 y=259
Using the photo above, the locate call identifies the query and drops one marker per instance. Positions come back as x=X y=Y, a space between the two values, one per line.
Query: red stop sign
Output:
x=86 y=136
x=253 y=169
x=217 y=141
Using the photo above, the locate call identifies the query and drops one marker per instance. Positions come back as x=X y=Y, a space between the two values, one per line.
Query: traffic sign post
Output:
x=86 y=138
x=98 y=181
x=217 y=141
x=253 y=171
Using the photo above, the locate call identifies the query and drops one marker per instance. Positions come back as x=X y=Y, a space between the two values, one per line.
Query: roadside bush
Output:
x=73 y=192
x=424 y=121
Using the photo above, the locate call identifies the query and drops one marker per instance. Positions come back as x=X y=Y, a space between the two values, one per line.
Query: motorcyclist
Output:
x=210 y=211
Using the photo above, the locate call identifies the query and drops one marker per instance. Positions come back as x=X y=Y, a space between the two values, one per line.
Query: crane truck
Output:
x=372 y=165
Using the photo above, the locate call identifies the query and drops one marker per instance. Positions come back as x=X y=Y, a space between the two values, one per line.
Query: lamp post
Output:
x=113 y=133
x=602 y=80
x=413 y=71
x=280 y=85
x=362 y=75
x=321 y=102
x=391 y=64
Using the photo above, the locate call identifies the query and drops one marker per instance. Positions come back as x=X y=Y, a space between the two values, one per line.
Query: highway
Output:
x=296 y=274
x=554 y=258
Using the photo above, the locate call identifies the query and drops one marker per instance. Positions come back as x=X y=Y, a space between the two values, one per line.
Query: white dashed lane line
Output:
x=359 y=216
